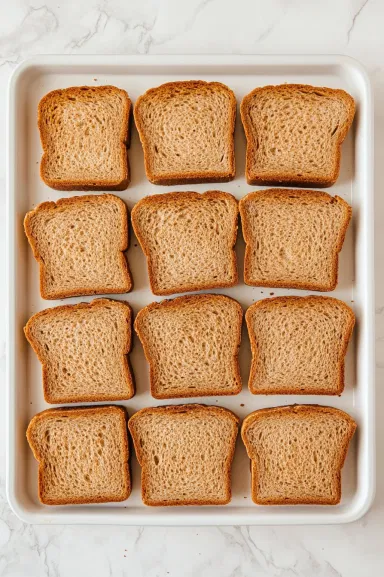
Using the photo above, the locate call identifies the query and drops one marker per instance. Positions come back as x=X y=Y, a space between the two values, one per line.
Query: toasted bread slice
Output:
x=192 y=345
x=83 y=349
x=79 y=244
x=84 y=133
x=293 y=238
x=298 y=345
x=294 y=134
x=297 y=453
x=186 y=453
x=186 y=129
x=188 y=239
x=82 y=453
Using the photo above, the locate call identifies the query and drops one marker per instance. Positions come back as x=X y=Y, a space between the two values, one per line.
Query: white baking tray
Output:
x=34 y=78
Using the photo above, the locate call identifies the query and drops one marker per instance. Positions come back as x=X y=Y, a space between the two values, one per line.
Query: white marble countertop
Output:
x=353 y=27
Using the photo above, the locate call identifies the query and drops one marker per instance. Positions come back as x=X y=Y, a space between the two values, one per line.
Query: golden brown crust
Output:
x=287 y=179
x=169 y=409
x=267 y=303
x=95 y=185
x=73 y=413
x=303 y=409
x=62 y=202
x=180 y=178
x=282 y=501
x=128 y=347
x=282 y=194
x=177 y=196
x=181 y=301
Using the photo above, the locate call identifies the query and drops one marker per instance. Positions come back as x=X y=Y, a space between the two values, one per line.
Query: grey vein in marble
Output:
x=35 y=25
x=265 y=33
x=354 y=18
x=100 y=25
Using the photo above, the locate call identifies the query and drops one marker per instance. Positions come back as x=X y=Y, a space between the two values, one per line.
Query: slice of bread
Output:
x=84 y=133
x=293 y=238
x=186 y=129
x=188 y=239
x=298 y=345
x=297 y=453
x=82 y=453
x=294 y=134
x=186 y=454
x=83 y=349
x=79 y=244
x=192 y=346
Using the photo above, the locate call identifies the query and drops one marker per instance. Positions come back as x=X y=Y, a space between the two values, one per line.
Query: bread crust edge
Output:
x=96 y=303
x=279 y=193
x=285 y=178
x=80 y=185
x=169 y=179
x=296 y=391
x=187 y=195
x=169 y=409
x=172 y=303
x=83 y=291
x=39 y=458
x=256 y=415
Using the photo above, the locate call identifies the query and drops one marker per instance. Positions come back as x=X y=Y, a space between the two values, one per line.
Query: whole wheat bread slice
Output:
x=298 y=345
x=186 y=453
x=186 y=129
x=293 y=238
x=82 y=453
x=294 y=134
x=83 y=349
x=79 y=244
x=297 y=453
x=192 y=345
x=188 y=239
x=84 y=133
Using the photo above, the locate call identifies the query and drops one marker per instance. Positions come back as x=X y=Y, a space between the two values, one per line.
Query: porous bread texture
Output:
x=298 y=345
x=186 y=129
x=294 y=134
x=293 y=238
x=79 y=243
x=84 y=132
x=297 y=453
x=186 y=454
x=82 y=453
x=192 y=344
x=188 y=239
x=83 y=350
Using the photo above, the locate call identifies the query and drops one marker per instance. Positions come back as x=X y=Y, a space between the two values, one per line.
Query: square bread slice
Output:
x=186 y=454
x=294 y=134
x=79 y=243
x=293 y=238
x=188 y=239
x=84 y=132
x=186 y=129
x=298 y=345
x=83 y=350
x=192 y=346
x=82 y=454
x=297 y=453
